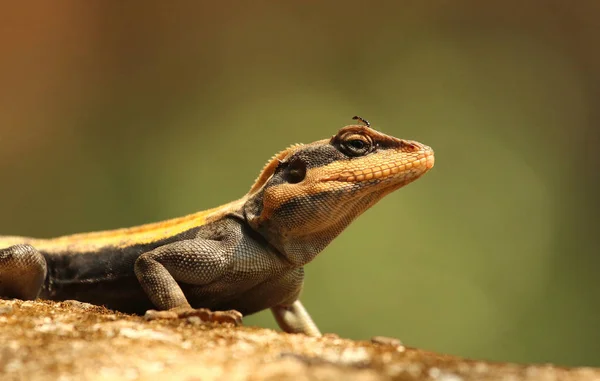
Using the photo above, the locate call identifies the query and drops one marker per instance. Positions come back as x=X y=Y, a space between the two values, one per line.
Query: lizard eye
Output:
x=295 y=171
x=356 y=145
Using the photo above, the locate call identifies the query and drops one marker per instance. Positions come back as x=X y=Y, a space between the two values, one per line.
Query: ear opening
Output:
x=270 y=167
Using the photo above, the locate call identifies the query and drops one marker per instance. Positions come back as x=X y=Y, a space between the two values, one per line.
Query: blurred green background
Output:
x=116 y=114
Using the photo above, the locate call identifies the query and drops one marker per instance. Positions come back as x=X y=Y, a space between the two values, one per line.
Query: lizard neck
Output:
x=301 y=243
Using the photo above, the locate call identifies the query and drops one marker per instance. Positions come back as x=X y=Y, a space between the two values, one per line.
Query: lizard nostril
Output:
x=408 y=146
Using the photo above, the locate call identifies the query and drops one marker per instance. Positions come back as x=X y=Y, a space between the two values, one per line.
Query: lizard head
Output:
x=308 y=193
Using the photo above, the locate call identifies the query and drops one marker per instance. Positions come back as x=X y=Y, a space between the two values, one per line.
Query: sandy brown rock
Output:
x=74 y=341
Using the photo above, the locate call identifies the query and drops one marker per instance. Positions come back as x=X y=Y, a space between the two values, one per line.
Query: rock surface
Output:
x=41 y=340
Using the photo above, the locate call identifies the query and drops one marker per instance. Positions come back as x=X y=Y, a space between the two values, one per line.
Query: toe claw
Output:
x=154 y=315
x=232 y=316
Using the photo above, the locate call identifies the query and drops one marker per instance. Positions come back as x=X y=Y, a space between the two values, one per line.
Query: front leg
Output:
x=294 y=318
x=197 y=262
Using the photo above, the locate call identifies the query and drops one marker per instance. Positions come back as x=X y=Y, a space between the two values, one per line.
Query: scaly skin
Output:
x=246 y=256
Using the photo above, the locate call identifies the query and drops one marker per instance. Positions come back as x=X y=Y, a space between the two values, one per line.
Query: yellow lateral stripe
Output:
x=141 y=234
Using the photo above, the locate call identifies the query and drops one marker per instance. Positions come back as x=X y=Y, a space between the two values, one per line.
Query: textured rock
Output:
x=44 y=340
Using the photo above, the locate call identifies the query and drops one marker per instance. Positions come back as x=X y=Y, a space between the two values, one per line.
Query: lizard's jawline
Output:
x=378 y=180
x=423 y=164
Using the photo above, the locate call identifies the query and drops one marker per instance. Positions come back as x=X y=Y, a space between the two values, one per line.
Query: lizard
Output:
x=233 y=260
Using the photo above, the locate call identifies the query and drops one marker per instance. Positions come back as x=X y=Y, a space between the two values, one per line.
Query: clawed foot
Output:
x=79 y=305
x=206 y=315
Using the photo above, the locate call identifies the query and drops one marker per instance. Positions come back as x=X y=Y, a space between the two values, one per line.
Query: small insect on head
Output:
x=361 y=120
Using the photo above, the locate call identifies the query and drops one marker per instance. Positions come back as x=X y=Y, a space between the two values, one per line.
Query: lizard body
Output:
x=247 y=255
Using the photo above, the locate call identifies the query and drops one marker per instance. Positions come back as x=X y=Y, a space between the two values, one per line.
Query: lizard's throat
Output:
x=305 y=228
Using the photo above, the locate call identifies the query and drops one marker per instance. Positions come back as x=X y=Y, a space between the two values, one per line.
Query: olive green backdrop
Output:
x=114 y=115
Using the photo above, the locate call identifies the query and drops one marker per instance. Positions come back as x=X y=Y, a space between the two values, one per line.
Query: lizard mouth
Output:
x=405 y=170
